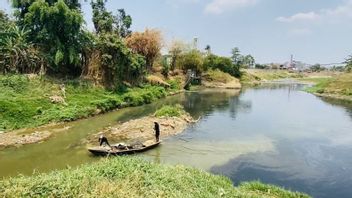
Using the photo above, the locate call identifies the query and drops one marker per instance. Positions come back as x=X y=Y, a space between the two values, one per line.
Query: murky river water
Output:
x=274 y=133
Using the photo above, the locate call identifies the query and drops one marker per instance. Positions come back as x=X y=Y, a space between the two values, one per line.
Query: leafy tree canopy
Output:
x=105 y=21
x=57 y=30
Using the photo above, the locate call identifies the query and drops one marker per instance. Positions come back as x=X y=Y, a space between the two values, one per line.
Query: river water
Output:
x=275 y=133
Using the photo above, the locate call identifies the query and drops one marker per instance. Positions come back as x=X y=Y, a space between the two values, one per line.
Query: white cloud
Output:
x=309 y=16
x=342 y=11
x=220 y=6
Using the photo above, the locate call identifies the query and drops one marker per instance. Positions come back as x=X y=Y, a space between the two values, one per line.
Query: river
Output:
x=275 y=133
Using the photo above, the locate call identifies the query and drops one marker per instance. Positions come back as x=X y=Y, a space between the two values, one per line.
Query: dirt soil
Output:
x=29 y=136
x=235 y=84
x=141 y=130
x=14 y=139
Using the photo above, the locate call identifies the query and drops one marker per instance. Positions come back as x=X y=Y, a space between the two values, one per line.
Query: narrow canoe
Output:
x=104 y=151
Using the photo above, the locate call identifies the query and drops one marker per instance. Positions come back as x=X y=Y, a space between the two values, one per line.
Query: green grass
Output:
x=257 y=75
x=24 y=101
x=170 y=111
x=340 y=85
x=134 y=177
x=219 y=76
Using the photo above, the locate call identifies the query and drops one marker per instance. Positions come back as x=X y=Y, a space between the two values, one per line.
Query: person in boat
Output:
x=103 y=141
x=157 y=131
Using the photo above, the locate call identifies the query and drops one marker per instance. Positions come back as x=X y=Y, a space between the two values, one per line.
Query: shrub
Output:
x=223 y=64
x=170 y=111
x=192 y=60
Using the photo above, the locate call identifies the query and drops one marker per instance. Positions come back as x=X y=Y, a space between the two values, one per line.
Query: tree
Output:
x=248 y=61
x=192 y=60
x=22 y=7
x=224 y=64
x=236 y=55
x=175 y=50
x=4 y=23
x=105 y=21
x=56 y=29
x=147 y=44
x=123 y=23
x=102 y=19
x=16 y=54
x=349 y=64
x=317 y=68
x=111 y=62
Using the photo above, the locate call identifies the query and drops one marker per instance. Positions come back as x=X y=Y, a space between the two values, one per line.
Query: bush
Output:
x=192 y=60
x=218 y=76
x=170 y=111
x=223 y=64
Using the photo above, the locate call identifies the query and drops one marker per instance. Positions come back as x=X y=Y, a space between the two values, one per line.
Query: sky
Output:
x=314 y=31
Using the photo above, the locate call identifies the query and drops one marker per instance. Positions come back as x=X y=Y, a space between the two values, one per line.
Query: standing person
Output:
x=157 y=131
x=103 y=140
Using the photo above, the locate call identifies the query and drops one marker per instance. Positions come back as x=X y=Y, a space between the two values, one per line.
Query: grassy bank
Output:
x=339 y=86
x=133 y=177
x=28 y=101
x=255 y=76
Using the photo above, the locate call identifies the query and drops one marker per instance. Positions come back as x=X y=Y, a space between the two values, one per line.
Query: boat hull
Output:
x=98 y=151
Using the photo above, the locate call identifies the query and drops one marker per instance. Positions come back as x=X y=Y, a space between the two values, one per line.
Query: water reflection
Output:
x=309 y=166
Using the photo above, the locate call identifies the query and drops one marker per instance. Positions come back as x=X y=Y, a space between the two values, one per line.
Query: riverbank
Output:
x=133 y=177
x=258 y=76
x=336 y=86
x=172 y=120
x=30 y=101
x=219 y=79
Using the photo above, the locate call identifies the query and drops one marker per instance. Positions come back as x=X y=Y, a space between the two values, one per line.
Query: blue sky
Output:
x=314 y=31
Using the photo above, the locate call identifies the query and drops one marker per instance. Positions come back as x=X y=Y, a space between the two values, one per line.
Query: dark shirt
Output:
x=157 y=129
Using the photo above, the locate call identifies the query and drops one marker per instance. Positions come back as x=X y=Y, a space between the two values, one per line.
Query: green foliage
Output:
x=170 y=111
x=339 y=86
x=166 y=67
x=192 y=60
x=348 y=62
x=274 y=191
x=236 y=55
x=106 y=22
x=223 y=64
x=134 y=177
x=4 y=22
x=118 y=62
x=241 y=61
x=248 y=61
x=123 y=23
x=175 y=84
x=102 y=19
x=17 y=55
x=25 y=102
x=317 y=68
x=57 y=30
x=145 y=95
x=22 y=7
x=218 y=76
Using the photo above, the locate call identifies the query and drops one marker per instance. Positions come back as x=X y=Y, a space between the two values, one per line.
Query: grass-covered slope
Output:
x=26 y=101
x=133 y=177
x=253 y=76
x=339 y=86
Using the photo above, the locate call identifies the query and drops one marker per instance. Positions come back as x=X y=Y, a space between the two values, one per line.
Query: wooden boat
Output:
x=105 y=151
